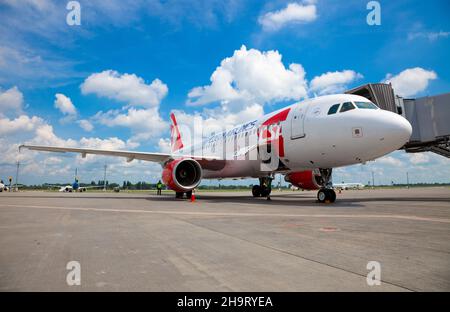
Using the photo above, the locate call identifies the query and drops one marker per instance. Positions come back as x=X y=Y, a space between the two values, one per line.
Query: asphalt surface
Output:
x=226 y=241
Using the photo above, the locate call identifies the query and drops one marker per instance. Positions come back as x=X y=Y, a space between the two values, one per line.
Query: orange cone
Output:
x=193 y=197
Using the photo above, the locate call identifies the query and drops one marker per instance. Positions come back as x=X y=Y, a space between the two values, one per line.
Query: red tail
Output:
x=175 y=135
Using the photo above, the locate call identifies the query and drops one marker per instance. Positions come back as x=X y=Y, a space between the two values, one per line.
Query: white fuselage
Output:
x=311 y=138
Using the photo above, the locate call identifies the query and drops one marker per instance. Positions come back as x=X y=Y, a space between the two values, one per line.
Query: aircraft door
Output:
x=298 y=121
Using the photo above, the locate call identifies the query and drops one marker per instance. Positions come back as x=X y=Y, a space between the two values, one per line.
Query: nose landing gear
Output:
x=326 y=194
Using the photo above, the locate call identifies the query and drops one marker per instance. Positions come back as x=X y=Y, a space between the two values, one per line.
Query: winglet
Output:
x=175 y=135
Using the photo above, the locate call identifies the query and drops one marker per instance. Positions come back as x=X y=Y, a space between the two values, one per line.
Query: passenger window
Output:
x=333 y=109
x=347 y=106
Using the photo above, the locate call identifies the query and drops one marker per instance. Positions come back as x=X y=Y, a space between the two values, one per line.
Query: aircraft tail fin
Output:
x=175 y=135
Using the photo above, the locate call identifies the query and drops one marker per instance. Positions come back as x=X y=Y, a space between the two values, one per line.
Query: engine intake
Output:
x=182 y=175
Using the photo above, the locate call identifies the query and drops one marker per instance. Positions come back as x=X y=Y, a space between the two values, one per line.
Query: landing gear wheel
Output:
x=326 y=195
x=179 y=195
x=256 y=191
x=332 y=195
x=322 y=195
x=265 y=191
x=189 y=195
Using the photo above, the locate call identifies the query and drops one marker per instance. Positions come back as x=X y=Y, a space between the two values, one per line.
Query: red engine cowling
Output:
x=182 y=175
x=307 y=180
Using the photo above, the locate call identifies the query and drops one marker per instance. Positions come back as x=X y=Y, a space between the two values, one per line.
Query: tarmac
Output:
x=226 y=241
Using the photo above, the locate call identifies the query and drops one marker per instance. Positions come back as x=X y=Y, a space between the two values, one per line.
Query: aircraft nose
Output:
x=397 y=130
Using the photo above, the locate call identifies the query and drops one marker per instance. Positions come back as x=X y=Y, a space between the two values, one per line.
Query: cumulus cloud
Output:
x=22 y=123
x=390 y=161
x=164 y=145
x=144 y=123
x=293 y=13
x=418 y=158
x=86 y=125
x=11 y=100
x=127 y=88
x=140 y=115
x=333 y=82
x=252 y=76
x=411 y=81
x=64 y=104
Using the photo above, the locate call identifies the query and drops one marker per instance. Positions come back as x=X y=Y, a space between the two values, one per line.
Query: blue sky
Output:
x=121 y=45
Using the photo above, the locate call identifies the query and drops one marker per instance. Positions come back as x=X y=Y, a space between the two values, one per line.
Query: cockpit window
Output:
x=347 y=106
x=333 y=109
x=366 y=105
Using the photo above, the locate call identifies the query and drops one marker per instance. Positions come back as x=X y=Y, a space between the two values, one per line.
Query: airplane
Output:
x=348 y=186
x=304 y=141
x=3 y=187
x=75 y=187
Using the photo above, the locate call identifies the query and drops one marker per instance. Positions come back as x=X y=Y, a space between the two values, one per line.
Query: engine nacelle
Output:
x=307 y=180
x=182 y=175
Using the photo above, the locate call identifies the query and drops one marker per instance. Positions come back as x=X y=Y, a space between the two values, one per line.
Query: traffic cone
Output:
x=193 y=197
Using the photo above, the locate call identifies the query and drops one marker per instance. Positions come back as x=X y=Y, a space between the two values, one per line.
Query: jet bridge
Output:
x=429 y=116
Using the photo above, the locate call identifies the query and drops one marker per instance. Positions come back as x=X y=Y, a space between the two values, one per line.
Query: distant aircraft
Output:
x=3 y=187
x=75 y=187
x=348 y=186
x=303 y=141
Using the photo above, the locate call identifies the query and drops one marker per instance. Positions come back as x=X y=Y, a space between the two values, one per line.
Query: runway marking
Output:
x=236 y=214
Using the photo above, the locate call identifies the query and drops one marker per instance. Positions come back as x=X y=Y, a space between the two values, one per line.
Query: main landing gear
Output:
x=326 y=194
x=264 y=188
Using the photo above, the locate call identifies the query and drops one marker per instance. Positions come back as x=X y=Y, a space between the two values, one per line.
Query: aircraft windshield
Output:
x=346 y=107
x=366 y=105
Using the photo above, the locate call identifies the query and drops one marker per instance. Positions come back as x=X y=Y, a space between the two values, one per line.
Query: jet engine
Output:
x=182 y=175
x=307 y=180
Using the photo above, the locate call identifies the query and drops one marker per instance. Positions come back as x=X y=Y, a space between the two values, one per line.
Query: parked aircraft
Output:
x=348 y=186
x=303 y=141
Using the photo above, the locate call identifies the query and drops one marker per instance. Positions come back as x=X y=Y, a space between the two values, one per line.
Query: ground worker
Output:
x=159 y=186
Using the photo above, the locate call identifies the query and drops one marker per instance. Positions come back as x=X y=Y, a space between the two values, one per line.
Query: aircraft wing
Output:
x=129 y=155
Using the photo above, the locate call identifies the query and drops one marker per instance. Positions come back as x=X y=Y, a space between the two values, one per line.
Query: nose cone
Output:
x=394 y=130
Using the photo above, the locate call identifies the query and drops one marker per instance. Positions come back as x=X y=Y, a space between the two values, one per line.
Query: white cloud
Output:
x=86 y=125
x=164 y=145
x=127 y=88
x=11 y=100
x=292 y=13
x=22 y=123
x=411 y=81
x=333 y=82
x=144 y=123
x=252 y=76
x=64 y=104
x=390 y=160
x=431 y=36
x=418 y=158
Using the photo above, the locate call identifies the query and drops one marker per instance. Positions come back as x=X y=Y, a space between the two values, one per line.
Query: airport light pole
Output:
x=104 y=179
x=17 y=175
x=407 y=179
x=373 y=180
